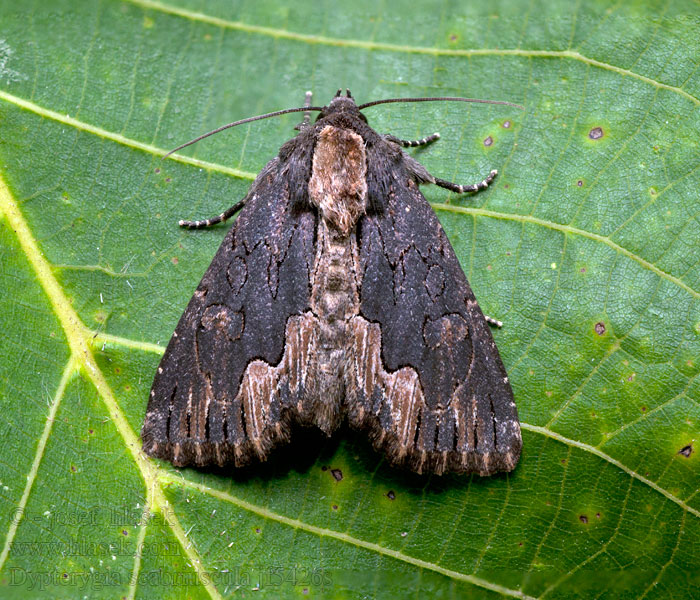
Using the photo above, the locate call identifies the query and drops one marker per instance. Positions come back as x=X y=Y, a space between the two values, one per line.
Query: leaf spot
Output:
x=596 y=133
x=583 y=519
x=391 y=495
x=600 y=328
x=506 y=125
x=488 y=141
x=686 y=450
x=337 y=474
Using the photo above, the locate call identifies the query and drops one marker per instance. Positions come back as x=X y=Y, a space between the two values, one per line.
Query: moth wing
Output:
x=215 y=398
x=436 y=395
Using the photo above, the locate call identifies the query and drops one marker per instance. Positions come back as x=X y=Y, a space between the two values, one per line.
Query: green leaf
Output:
x=586 y=246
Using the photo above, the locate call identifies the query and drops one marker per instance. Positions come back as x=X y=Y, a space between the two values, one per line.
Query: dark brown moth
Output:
x=335 y=295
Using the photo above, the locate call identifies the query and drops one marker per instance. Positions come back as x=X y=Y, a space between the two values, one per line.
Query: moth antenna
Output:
x=241 y=122
x=347 y=93
x=441 y=98
x=337 y=94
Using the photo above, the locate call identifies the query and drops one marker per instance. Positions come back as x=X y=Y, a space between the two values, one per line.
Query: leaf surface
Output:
x=586 y=246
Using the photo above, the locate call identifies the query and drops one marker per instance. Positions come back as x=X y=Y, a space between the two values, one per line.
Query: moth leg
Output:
x=227 y=214
x=462 y=189
x=492 y=321
x=307 y=115
x=413 y=143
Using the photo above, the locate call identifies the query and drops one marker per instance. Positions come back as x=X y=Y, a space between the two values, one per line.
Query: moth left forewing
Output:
x=440 y=399
x=216 y=397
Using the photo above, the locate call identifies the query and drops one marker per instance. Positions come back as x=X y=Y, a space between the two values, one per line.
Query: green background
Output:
x=586 y=246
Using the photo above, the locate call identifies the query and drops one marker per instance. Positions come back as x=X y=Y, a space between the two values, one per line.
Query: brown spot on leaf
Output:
x=632 y=377
x=583 y=269
x=335 y=507
x=596 y=133
x=597 y=515
x=686 y=450
x=324 y=468
x=157 y=170
x=175 y=260
x=644 y=409
x=337 y=474
x=506 y=125
x=72 y=468
x=391 y=495
x=579 y=183
x=125 y=532
x=167 y=180
x=583 y=519
x=453 y=37
x=90 y=431
x=488 y=141
x=600 y=328
x=257 y=530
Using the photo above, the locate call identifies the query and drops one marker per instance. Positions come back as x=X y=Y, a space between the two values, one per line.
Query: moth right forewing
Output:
x=413 y=287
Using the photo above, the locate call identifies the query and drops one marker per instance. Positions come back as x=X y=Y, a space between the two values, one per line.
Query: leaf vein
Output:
x=343 y=537
x=400 y=48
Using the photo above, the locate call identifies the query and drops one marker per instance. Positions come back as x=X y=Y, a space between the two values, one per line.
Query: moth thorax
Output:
x=338 y=185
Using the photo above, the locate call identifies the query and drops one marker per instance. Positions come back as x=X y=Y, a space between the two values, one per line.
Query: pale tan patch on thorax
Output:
x=338 y=185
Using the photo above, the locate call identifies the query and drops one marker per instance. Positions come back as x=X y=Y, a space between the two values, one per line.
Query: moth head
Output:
x=342 y=104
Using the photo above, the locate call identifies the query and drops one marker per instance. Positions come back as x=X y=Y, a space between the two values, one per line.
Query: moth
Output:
x=335 y=295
